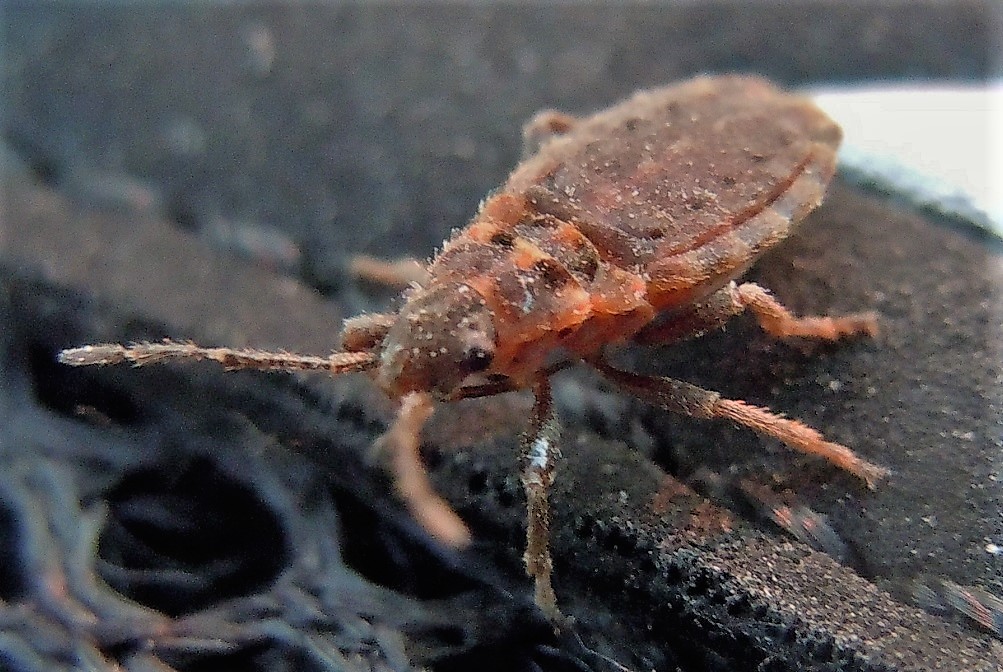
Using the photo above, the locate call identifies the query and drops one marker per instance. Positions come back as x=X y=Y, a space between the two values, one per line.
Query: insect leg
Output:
x=399 y=446
x=693 y=321
x=540 y=453
x=778 y=321
x=680 y=397
x=390 y=273
x=544 y=125
x=140 y=354
x=366 y=332
x=774 y=318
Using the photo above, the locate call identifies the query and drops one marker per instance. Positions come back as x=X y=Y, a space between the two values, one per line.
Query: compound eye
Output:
x=477 y=359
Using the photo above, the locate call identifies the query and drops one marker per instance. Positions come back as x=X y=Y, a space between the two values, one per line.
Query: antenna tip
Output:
x=91 y=354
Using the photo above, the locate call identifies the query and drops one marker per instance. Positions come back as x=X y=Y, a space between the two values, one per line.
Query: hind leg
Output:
x=696 y=402
x=544 y=125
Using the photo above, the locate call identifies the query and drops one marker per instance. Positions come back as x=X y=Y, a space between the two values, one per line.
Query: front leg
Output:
x=399 y=448
x=540 y=453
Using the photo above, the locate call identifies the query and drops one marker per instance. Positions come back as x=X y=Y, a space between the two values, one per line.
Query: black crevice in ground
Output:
x=185 y=519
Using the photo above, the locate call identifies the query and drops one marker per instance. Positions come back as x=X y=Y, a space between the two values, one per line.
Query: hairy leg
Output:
x=540 y=453
x=778 y=321
x=399 y=445
x=773 y=317
x=680 y=397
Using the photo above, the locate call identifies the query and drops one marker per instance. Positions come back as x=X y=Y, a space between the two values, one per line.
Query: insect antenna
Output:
x=140 y=354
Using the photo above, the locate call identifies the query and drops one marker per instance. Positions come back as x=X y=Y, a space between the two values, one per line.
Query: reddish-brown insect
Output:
x=628 y=225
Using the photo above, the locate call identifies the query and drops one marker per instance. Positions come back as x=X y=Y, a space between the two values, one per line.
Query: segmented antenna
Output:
x=141 y=354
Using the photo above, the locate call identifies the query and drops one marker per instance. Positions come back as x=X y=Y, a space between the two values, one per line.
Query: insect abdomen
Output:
x=685 y=178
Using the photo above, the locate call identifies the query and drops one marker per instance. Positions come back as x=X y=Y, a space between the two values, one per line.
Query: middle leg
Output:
x=732 y=299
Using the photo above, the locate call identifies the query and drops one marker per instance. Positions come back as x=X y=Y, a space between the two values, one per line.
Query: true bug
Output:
x=629 y=225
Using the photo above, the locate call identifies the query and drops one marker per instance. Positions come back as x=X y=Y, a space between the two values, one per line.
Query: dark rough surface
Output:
x=297 y=135
x=901 y=400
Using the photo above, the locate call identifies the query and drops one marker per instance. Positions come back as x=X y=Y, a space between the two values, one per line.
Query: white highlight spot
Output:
x=539 y=454
x=941 y=144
